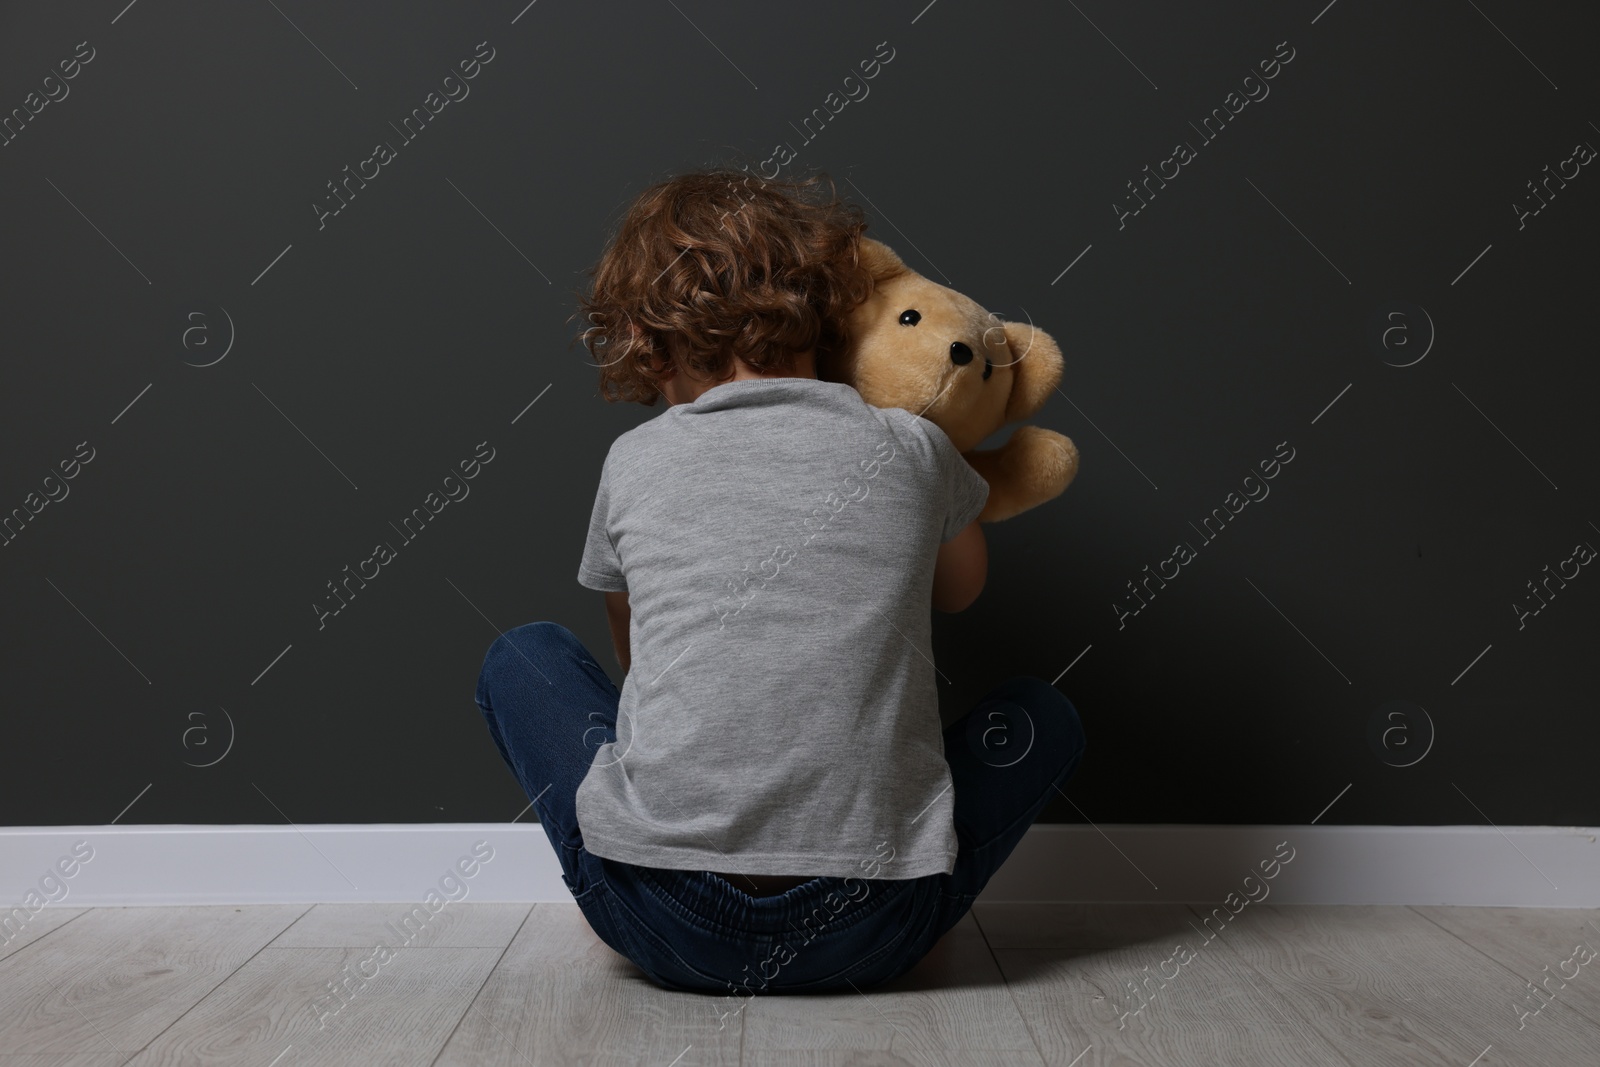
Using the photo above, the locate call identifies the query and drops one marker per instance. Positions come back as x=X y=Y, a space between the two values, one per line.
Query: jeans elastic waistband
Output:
x=822 y=903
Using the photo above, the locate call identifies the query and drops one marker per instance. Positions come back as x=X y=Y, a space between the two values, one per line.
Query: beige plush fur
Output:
x=897 y=366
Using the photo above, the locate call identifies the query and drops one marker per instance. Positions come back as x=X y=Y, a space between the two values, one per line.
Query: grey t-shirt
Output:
x=777 y=539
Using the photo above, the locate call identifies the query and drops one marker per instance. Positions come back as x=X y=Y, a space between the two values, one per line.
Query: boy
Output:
x=769 y=548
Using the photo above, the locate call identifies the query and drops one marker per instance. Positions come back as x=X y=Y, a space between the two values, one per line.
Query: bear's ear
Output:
x=1035 y=371
x=880 y=260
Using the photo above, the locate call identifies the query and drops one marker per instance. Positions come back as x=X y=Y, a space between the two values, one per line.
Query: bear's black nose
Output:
x=960 y=354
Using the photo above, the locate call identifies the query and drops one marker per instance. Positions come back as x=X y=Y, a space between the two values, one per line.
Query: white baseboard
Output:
x=1524 y=866
x=1472 y=866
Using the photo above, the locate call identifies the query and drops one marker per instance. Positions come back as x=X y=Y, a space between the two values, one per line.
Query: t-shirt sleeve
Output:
x=600 y=567
x=965 y=490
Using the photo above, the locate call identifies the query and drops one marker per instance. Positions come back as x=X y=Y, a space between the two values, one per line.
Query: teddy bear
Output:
x=917 y=345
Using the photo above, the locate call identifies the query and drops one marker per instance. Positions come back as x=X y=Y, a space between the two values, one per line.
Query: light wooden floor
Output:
x=1012 y=984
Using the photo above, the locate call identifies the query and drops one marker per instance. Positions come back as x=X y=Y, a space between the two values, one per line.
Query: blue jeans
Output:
x=549 y=705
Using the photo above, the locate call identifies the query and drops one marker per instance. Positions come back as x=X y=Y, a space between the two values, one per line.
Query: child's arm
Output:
x=617 y=613
x=960 y=569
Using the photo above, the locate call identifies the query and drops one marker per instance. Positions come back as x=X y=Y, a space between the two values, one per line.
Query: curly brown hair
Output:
x=712 y=266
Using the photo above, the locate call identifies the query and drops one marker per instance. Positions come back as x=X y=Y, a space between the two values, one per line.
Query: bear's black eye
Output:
x=910 y=317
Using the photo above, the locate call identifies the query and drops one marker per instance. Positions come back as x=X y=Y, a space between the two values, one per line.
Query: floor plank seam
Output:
x=1501 y=963
x=487 y=977
x=66 y=923
x=1037 y=1048
x=226 y=978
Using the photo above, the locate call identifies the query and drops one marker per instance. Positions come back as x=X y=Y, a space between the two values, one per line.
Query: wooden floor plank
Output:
x=870 y=1057
x=1278 y=986
x=954 y=999
x=112 y=979
x=1211 y=1009
x=559 y=995
x=458 y=925
x=1052 y=925
x=1388 y=987
x=277 y=1008
x=1540 y=946
x=27 y=927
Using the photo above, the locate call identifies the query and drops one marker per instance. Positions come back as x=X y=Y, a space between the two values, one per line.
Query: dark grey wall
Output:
x=163 y=607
